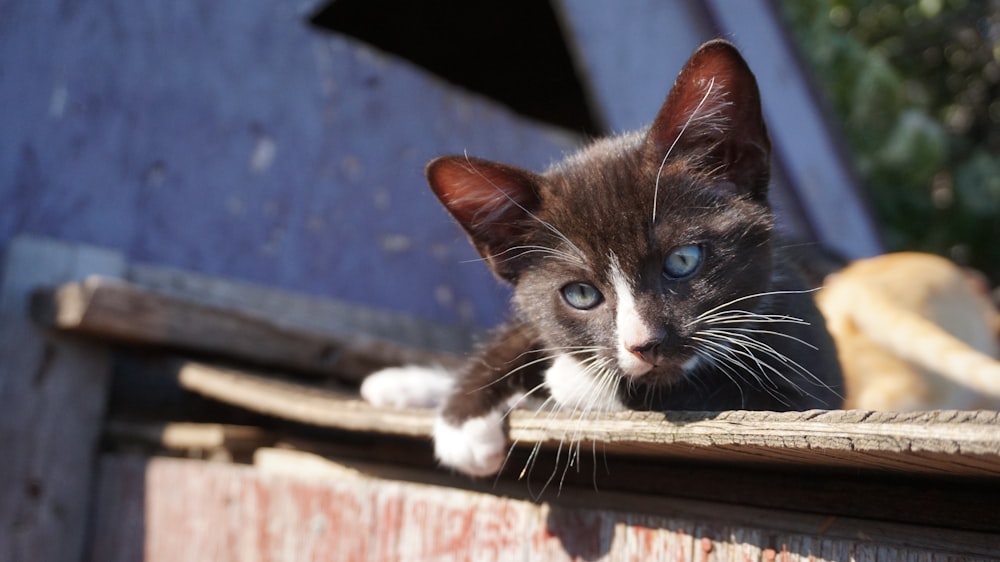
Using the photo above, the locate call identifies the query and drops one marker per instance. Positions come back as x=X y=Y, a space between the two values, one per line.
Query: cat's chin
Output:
x=665 y=374
x=632 y=366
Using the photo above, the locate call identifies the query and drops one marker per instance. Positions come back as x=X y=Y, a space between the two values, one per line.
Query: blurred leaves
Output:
x=916 y=86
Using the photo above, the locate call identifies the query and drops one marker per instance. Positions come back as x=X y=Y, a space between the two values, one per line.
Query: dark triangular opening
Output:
x=510 y=50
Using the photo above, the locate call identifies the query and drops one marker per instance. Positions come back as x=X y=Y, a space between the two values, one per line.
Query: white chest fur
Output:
x=574 y=387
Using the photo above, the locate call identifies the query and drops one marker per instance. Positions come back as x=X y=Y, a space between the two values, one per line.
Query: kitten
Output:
x=915 y=332
x=645 y=275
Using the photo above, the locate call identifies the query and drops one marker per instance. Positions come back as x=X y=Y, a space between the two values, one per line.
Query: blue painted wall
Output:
x=231 y=139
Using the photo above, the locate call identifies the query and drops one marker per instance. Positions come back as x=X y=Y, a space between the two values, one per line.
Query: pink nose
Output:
x=646 y=351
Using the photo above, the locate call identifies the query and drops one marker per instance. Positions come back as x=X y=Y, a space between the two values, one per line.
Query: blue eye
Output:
x=683 y=261
x=582 y=296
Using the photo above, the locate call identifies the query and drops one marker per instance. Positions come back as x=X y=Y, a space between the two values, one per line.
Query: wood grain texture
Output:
x=187 y=311
x=944 y=442
x=52 y=396
x=295 y=508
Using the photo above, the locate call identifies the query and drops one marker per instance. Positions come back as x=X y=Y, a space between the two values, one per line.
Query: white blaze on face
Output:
x=631 y=329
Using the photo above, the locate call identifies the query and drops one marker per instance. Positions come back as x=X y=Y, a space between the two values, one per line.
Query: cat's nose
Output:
x=647 y=351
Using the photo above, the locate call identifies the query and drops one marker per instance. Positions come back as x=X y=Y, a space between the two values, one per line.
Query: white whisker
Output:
x=746 y=349
x=709 y=312
x=580 y=256
x=694 y=114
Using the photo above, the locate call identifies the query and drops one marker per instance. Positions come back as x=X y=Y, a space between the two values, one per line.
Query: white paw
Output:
x=477 y=447
x=408 y=387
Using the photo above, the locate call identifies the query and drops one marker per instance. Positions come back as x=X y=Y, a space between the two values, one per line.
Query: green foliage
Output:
x=916 y=86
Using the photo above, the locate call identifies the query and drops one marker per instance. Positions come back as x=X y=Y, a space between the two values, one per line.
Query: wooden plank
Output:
x=246 y=323
x=303 y=313
x=945 y=442
x=217 y=441
x=300 y=508
x=307 y=404
x=943 y=501
x=52 y=395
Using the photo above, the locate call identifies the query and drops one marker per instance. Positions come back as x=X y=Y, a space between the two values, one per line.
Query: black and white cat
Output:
x=645 y=272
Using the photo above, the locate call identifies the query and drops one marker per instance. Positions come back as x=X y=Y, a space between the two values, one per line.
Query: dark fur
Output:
x=711 y=192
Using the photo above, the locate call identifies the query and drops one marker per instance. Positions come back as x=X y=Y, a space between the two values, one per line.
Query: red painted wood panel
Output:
x=179 y=510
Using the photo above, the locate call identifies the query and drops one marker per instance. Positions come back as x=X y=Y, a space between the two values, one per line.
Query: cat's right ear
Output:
x=714 y=117
x=493 y=203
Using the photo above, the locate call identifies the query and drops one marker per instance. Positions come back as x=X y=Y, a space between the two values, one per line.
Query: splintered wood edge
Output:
x=283 y=329
x=942 y=441
x=300 y=403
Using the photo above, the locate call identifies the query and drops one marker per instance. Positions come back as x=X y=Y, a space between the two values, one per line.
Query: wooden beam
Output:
x=52 y=394
x=225 y=440
x=943 y=501
x=237 y=321
x=324 y=407
x=942 y=443
x=302 y=313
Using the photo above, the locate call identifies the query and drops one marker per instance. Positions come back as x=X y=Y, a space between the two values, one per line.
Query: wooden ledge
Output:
x=940 y=442
x=177 y=310
x=185 y=311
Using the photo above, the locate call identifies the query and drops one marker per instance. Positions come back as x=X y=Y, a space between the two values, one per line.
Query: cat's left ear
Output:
x=493 y=202
x=713 y=116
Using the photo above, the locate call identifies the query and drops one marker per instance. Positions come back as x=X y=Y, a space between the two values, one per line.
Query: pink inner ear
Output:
x=713 y=113
x=488 y=199
x=714 y=97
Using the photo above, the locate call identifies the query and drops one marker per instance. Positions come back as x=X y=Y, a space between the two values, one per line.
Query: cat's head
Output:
x=626 y=245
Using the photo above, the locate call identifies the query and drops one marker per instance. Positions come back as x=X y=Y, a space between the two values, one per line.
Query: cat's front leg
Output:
x=470 y=434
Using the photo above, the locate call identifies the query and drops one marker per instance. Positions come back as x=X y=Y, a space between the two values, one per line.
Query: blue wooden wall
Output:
x=230 y=138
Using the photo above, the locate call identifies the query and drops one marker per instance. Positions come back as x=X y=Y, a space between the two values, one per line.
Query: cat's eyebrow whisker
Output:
x=551 y=253
x=670 y=149
x=549 y=227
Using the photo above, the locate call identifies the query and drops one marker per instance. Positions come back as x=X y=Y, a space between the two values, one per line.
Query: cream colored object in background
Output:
x=914 y=331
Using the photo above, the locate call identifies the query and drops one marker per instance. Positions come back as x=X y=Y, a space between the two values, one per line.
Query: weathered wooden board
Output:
x=953 y=443
x=52 y=395
x=965 y=503
x=291 y=508
x=300 y=312
x=212 y=440
x=243 y=322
